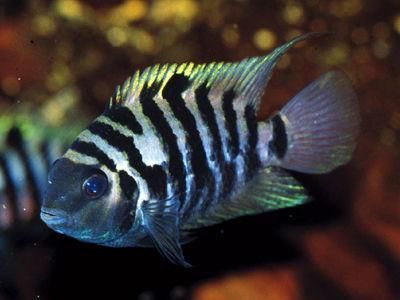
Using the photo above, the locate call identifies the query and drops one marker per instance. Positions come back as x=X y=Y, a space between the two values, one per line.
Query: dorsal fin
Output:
x=247 y=78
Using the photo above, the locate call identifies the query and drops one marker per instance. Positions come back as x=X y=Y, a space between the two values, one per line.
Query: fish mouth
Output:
x=63 y=223
x=53 y=216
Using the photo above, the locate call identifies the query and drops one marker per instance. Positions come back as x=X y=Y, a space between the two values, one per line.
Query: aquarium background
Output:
x=59 y=64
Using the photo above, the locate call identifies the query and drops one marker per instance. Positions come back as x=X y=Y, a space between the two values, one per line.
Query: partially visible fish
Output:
x=24 y=164
x=28 y=147
x=179 y=147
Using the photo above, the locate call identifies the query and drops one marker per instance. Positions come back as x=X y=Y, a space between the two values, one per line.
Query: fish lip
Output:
x=48 y=214
x=60 y=222
x=53 y=211
x=53 y=216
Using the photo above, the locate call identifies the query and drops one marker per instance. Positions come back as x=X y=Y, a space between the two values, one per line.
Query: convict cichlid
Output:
x=179 y=147
x=28 y=148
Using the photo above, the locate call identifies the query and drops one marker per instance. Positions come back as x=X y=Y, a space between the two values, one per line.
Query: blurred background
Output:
x=59 y=64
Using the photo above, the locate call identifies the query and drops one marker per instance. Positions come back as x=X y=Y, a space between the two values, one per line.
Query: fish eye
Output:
x=95 y=186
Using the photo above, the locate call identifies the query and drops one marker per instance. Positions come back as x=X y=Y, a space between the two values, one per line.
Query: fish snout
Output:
x=53 y=217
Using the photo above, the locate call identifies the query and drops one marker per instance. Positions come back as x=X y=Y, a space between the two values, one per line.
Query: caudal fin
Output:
x=316 y=131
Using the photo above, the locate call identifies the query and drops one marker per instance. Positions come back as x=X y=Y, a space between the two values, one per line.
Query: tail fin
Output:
x=316 y=131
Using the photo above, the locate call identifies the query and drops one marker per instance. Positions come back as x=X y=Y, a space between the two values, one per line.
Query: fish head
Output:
x=84 y=202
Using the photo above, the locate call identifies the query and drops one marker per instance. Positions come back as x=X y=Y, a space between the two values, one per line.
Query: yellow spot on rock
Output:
x=230 y=36
x=264 y=39
x=337 y=54
x=396 y=23
x=345 y=8
x=54 y=111
x=180 y=12
x=293 y=13
x=128 y=11
x=72 y=9
x=43 y=25
x=59 y=76
x=116 y=36
x=142 y=41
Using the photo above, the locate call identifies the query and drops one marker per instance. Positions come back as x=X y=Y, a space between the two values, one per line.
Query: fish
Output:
x=179 y=147
x=26 y=155
x=28 y=147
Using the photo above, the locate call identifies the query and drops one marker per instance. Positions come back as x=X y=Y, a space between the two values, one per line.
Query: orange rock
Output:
x=271 y=284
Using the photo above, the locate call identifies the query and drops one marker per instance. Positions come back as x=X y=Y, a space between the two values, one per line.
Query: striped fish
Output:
x=179 y=147
x=24 y=165
x=28 y=147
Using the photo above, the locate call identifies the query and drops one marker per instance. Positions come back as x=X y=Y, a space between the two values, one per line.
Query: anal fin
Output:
x=273 y=188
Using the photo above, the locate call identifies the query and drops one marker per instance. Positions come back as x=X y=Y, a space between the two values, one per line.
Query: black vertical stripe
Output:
x=176 y=167
x=177 y=84
x=229 y=175
x=153 y=175
x=16 y=141
x=130 y=189
x=124 y=116
x=229 y=170
x=207 y=113
x=231 y=122
x=10 y=188
x=90 y=149
x=128 y=185
x=278 y=144
x=252 y=160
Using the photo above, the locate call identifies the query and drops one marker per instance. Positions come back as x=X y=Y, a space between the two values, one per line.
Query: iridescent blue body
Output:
x=179 y=147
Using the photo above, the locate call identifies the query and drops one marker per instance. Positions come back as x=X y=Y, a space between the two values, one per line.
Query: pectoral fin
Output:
x=160 y=219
